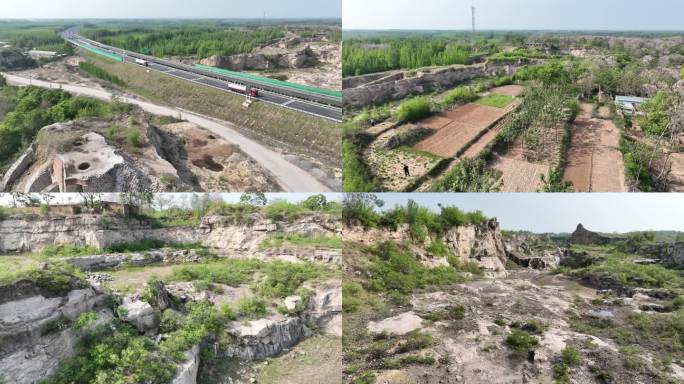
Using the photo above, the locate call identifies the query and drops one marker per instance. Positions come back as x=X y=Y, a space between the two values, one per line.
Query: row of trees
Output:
x=377 y=55
x=186 y=40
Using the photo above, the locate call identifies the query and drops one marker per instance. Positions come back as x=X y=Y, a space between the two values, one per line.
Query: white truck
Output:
x=142 y=62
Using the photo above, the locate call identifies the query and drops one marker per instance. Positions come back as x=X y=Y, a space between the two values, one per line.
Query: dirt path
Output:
x=290 y=177
x=594 y=162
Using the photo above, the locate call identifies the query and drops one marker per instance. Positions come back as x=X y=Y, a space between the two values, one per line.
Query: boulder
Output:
x=398 y=325
x=258 y=339
x=187 y=370
x=292 y=302
x=141 y=315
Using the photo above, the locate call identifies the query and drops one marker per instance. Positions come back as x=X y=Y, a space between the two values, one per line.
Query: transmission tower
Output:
x=473 y=11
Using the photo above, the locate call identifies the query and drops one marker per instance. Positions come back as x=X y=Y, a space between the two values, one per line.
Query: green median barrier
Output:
x=274 y=82
x=100 y=52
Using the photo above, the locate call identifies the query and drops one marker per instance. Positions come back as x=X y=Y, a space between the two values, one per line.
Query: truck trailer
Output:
x=243 y=89
x=142 y=62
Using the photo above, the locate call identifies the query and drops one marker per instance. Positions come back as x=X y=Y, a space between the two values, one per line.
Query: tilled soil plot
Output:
x=594 y=162
x=456 y=129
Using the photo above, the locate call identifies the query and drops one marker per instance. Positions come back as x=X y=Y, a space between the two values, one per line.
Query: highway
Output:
x=326 y=107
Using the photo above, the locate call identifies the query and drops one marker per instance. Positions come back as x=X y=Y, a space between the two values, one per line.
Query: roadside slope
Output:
x=289 y=176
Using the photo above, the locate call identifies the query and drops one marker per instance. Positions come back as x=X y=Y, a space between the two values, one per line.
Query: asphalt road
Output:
x=290 y=177
x=320 y=110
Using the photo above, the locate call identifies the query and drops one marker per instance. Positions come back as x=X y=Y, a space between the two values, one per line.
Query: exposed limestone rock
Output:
x=35 y=332
x=138 y=259
x=187 y=370
x=325 y=307
x=17 y=169
x=395 y=86
x=292 y=302
x=266 y=337
x=398 y=325
x=670 y=255
x=141 y=315
x=301 y=58
x=519 y=251
x=481 y=244
x=27 y=234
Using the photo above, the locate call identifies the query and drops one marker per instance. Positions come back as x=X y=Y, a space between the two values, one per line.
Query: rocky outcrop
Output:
x=140 y=314
x=137 y=259
x=300 y=58
x=32 y=233
x=12 y=59
x=17 y=169
x=668 y=254
x=325 y=307
x=481 y=244
x=583 y=236
x=396 y=86
x=35 y=332
x=546 y=256
x=187 y=370
x=258 y=339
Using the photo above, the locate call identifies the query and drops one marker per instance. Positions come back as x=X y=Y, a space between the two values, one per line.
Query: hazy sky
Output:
x=515 y=14
x=562 y=212
x=58 y=9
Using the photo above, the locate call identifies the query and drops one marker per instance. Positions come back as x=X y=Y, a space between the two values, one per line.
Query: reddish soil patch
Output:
x=594 y=162
x=467 y=123
x=207 y=162
x=513 y=90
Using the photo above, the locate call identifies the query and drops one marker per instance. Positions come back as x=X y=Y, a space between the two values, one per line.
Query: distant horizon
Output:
x=578 y=15
x=509 y=30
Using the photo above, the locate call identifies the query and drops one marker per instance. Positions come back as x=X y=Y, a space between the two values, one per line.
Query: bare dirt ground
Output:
x=316 y=360
x=456 y=129
x=218 y=164
x=594 y=162
x=512 y=90
x=518 y=172
x=63 y=71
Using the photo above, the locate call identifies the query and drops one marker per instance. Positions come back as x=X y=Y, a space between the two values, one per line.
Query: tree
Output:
x=359 y=208
x=3 y=81
x=254 y=198
x=316 y=202
x=91 y=201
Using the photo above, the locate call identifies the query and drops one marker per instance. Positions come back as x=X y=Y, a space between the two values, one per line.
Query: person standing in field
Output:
x=406 y=171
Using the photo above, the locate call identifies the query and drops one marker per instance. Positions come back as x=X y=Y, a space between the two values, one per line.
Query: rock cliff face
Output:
x=266 y=337
x=34 y=332
x=481 y=244
x=26 y=234
x=397 y=85
x=519 y=250
x=670 y=255
x=300 y=58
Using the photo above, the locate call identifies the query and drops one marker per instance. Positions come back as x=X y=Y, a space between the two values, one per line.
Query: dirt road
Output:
x=290 y=177
x=594 y=162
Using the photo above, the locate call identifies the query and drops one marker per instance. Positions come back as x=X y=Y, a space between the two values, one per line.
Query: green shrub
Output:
x=438 y=248
x=415 y=340
x=68 y=250
x=100 y=73
x=460 y=95
x=521 y=342
x=469 y=175
x=134 y=138
x=282 y=210
x=414 y=109
x=252 y=307
x=571 y=356
x=365 y=378
x=406 y=361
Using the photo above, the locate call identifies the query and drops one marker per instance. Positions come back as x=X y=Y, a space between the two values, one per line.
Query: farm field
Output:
x=594 y=162
x=458 y=128
x=594 y=112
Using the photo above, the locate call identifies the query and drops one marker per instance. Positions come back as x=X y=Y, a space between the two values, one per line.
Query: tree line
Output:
x=186 y=40
x=362 y=56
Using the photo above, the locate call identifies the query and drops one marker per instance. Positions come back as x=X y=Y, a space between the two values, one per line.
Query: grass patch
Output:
x=521 y=342
x=497 y=100
x=413 y=110
x=100 y=73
